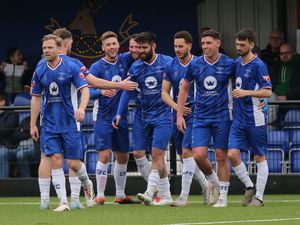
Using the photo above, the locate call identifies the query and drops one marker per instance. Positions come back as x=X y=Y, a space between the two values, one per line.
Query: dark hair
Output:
x=185 y=35
x=204 y=29
x=211 y=33
x=133 y=36
x=10 y=52
x=245 y=34
x=3 y=96
x=63 y=33
x=146 y=37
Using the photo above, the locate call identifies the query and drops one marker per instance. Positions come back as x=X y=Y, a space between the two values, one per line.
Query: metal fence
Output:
x=283 y=146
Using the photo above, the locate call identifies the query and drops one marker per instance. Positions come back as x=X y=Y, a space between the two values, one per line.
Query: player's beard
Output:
x=146 y=56
x=184 y=55
x=240 y=53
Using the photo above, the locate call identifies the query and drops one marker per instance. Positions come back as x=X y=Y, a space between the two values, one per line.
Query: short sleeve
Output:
x=36 y=85
x=78 y=77
x=263 y=77
x=167 y=74
x=189 y=76
x=94 y=69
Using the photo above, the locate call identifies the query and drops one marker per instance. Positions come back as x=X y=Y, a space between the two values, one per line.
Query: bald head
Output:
x=286 y=53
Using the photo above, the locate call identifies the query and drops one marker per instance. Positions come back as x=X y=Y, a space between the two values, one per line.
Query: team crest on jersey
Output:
x=116 y=78
x=61 y=76
x=247 y=73
x=121 y=70
x=210 y=83
x=53 y=88
x=238 y=83
x=219 y=69
x=151 y=82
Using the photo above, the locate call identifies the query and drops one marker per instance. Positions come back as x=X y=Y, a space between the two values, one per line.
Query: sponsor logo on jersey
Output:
x=116 y=78
x=151 y=82
x=53 y=88
x=210 y=83
x=238 y=83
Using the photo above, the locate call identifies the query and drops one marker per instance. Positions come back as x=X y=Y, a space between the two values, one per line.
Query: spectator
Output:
x=270 y=55
x=285 y=76
x=10 y=137
x=15 y=73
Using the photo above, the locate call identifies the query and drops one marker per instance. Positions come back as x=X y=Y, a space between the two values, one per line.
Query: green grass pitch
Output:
x=278 y=209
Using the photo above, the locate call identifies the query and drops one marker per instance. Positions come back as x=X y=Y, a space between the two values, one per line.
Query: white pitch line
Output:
x=237 y=221
x=190 y=202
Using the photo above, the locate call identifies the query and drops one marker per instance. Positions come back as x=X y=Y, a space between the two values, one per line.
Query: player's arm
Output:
x=123 y=105
x=94 y=93
x=166 y=97
x=165 y=94
x=36 y=102
x=182 y=97
x=100 y=83
x=264 y=83
x=261 y=93
x=84 y=101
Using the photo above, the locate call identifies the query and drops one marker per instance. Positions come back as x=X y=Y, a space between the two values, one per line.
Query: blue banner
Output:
x=24 y=23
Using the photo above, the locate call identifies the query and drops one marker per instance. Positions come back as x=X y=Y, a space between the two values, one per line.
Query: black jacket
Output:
x=11 y=134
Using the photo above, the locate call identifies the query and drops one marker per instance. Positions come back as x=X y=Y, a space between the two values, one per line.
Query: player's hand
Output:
x=239 y=93
x=263 y=104
x=79 y=114
x=116 y=121
x=126 y=84
x=109 y=93
x=181 y=124
x=186 y=110
x=34 y=132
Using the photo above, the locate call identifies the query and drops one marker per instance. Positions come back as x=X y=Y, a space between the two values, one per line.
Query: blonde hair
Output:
x=57 y=39
x=108 y=34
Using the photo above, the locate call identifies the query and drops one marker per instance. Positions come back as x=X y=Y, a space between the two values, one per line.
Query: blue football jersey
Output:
x=59 y=87
x=114 y=72
x=175 y=74
x=213 y=102
x=149 y=78
x=250 y=76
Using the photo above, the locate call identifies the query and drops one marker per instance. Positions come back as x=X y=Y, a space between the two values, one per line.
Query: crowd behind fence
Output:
x=283 y=146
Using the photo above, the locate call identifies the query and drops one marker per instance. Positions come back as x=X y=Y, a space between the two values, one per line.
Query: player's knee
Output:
x=139 y=154
x=233 y=156
x=187 y=154
x=200 y=156
x=221 y=157
x=56 y=157
x=104 y=156
x=259 y=158
x=75 y=165
x=122 y=159
x=158 y=156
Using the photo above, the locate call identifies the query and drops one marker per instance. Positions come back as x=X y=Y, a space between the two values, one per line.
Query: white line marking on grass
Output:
x=111 y=203
x=237 y=221
x=265 y=201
